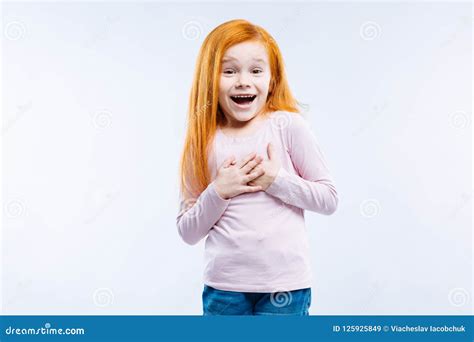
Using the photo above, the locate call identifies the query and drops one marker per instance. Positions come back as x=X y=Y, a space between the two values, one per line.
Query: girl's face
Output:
x=244 y=82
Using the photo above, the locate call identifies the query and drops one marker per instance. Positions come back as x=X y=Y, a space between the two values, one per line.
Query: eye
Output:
x=257 y=71
x=229 y=71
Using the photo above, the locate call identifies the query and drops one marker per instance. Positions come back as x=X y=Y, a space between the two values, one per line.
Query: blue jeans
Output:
x=220 y=302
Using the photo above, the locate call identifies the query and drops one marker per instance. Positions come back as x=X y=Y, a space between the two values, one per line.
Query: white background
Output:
x=94 y=105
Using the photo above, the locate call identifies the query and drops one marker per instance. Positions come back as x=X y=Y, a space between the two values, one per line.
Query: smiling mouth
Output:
x=243 y=99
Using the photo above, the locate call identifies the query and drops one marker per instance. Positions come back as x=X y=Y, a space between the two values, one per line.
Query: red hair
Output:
x=204 y=113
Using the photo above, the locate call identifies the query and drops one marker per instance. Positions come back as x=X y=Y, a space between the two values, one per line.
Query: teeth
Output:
x=243 y=96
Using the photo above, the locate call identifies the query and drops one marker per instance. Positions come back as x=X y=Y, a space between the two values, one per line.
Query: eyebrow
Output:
x=228 y=59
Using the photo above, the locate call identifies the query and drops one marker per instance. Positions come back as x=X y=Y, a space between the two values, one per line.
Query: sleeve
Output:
x=197 y=216
x=313 y=188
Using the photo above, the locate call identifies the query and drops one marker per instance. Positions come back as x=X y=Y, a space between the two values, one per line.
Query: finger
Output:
x=255 y=174
x=232 y=163
x=228 y=161
x=251 y=164
x=253 y=188
x=247 y=159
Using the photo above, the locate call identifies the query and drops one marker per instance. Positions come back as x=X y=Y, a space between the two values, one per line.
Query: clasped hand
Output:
x=251 y=174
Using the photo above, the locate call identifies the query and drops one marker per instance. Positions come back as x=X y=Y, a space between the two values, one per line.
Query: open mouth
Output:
x=243 y=99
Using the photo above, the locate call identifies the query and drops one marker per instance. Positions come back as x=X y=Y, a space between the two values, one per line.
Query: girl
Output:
x=249 y=168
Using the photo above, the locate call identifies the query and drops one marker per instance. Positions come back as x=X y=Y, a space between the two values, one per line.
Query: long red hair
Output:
x=204 y=113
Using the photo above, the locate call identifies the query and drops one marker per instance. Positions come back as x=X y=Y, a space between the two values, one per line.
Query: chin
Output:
x=244 y=117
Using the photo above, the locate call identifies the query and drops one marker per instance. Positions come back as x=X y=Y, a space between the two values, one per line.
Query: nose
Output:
x=243 y=80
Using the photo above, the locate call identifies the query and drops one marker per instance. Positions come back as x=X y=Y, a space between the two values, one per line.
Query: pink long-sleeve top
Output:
x=257 y=242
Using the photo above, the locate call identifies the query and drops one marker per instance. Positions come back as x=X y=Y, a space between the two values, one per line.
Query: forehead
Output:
x=246 y=52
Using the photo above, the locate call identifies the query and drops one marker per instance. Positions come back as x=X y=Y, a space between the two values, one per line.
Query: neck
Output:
x=231 y=124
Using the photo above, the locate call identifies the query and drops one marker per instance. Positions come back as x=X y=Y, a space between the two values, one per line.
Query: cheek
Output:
x=222 y=93
x=224 y=85
x=264 y=85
